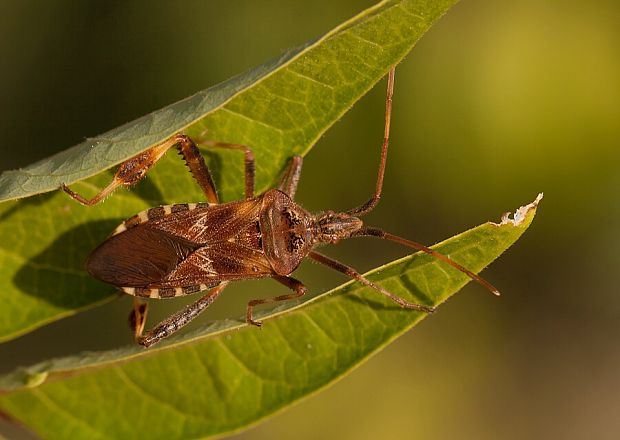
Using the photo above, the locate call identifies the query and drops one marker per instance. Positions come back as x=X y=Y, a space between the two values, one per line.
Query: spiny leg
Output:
x=134 y=169
x=374 y=200
x=197 y=166
x=129 y=172
x=347 y=270
x=290 y=178
x=175 y=322
x=249 y=163
x=289 y=282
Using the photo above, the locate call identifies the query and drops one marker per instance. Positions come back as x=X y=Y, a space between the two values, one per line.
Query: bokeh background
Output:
x=499 y=101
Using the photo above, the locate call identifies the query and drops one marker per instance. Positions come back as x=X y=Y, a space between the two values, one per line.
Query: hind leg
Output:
x=134 y=169
x=174 y=322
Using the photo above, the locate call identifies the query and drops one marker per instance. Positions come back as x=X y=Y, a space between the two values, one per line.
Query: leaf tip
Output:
x=521 y=214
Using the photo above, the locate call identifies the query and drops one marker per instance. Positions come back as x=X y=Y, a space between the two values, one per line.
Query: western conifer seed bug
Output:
x=176 y=250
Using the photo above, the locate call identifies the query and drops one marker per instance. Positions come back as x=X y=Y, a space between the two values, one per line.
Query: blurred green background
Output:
x=499 y=101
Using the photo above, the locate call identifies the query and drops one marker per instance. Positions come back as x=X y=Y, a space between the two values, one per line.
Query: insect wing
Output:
x=224 y=261
x=210 y=224
x=138 y=257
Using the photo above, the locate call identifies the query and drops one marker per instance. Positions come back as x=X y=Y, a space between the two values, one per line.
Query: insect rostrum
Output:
x=180 y=249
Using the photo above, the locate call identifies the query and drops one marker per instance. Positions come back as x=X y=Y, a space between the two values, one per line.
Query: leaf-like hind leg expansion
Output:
x=290 y=178
x=289 y=282
x=347 y=270
x=134 y=169
x=175 y=322
x=249 y=163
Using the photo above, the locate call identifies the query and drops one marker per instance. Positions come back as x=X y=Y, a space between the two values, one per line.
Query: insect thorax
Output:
x=288 y=231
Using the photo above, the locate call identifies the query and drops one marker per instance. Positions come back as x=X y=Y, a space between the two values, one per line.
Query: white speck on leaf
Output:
x=520 y=213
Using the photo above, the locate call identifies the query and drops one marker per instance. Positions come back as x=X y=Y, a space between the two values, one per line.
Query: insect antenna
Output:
x=380 y=233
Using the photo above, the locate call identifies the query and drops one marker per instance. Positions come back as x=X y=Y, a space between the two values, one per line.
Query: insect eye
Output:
x=295 y=242
x=292 y=218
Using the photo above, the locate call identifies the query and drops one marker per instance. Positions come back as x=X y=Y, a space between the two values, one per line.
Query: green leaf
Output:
x=224 y=380
x=278 y=109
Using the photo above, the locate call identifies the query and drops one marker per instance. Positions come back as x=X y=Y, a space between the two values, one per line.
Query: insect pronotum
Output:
x=176 y=250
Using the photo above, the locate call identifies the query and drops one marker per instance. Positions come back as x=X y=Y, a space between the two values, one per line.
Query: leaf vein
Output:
x=142 y=391
x=50 y=403
x=254 y=121
x=309 y=78
x=238 y=359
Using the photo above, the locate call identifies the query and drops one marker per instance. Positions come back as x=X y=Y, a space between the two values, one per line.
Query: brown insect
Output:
x=175 y=250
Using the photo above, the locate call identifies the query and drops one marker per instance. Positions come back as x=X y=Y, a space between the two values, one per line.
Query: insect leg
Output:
x=249 y=163
x=197 y=166
x=289 y=282
x=290 y=178
x=374 y=200
x=134 y=169
x=130 y=172
x=380 y=233
x=347 y=270
x=179 y=319
x=137 y=317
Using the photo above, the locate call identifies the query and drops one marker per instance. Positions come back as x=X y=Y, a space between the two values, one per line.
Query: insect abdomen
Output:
x=166 y=292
